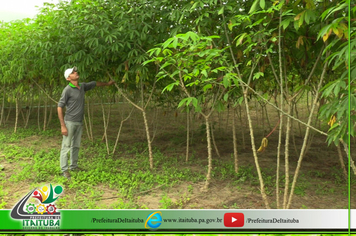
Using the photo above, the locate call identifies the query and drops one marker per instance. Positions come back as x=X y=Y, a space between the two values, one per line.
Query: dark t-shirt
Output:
x=73 y=99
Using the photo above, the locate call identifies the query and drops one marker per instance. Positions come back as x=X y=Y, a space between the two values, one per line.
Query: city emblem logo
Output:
x=45 y=214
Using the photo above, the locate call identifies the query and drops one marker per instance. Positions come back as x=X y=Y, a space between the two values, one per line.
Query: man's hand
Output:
x=64 y=130
x=101 y=84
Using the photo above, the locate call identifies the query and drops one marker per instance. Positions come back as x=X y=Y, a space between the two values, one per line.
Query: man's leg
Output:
x=66 y=143
x=74 y=151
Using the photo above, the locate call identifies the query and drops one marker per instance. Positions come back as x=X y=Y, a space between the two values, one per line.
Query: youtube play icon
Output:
x=234 y=219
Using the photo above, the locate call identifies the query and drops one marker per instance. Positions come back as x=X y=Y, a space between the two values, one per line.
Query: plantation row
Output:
x=201 y=57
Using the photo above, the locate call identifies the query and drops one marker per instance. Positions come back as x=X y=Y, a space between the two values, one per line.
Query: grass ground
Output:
x=30 y=158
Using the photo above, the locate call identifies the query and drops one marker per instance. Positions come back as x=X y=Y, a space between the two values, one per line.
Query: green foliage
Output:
x=184 y=54
x=192 y=62
x=211 y=45
x=336 y=92
x=166 y=202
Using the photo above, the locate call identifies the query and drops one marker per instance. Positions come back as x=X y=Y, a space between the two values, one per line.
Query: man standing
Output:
x=71 y=124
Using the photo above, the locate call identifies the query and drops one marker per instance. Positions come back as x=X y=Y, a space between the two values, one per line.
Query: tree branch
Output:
x=118 y=88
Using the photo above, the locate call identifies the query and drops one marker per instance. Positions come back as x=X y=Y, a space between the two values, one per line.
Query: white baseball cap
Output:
x=69 y=71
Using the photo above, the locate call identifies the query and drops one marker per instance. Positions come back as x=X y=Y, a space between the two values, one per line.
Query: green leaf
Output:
x=301 y=19
x=204 y=73
x=307 y=16
x=285 y=23
x=189 y=100
x=170 y=86
x=226 y=81
x=181 y=103
x=262 y=4
x=258 y=75
x=240 y=39
x=175 y=43
x=328 y=89
x=253 y=7
x=195 y=102
x=194 y=6
x=221 y=11
x=288 y=13
x=334 y=9
x=148 y=61
x=323 y=31
x=226 y=96
x=206 y=87
x=353 y=101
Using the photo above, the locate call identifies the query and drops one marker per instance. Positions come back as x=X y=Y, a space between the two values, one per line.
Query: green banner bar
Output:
x=185 y=220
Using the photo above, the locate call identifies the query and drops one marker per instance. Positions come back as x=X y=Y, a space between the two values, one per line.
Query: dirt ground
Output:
x=319 y=186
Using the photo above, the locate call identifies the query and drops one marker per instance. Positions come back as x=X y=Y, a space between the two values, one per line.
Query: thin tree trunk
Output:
x=86 y=127
x=38 y=113
x=17 y=113
x=214 y=143
x=154 y=124
x=148 y=138
x=342 y=164
x=278 y=157
x=188 y=130
x=267 y=116
x=234 y=142
x=242 y=124
x=308 y=102
x=258 y=127
x=2 y=108
x=208 y=139
x=227 y=117
x=107 y=122
x=27 y=116
x=28 y=111
x=118 y=134
x=8 y=114
x=306 y=137
x=286 y=157
x=149 y=141
x=192 y=121
x=346 y=149
x=92 y=120
x=45 y=114
x=353 y=165
x=50 y=110
x=312 y=135
x=292 y=128
x=21 y=111
x=281 y=107
x=296 y=112
x=90 y=123
x=262 y=188
x=105 y=126
x=309 y=143
x=50 y=114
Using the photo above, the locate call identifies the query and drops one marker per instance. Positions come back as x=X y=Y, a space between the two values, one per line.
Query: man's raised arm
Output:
x=101 y=84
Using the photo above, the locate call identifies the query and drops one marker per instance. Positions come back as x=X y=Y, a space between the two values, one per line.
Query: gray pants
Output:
x=71 y=142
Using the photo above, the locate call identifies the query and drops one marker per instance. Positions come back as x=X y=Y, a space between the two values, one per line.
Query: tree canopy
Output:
x=104 y=36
